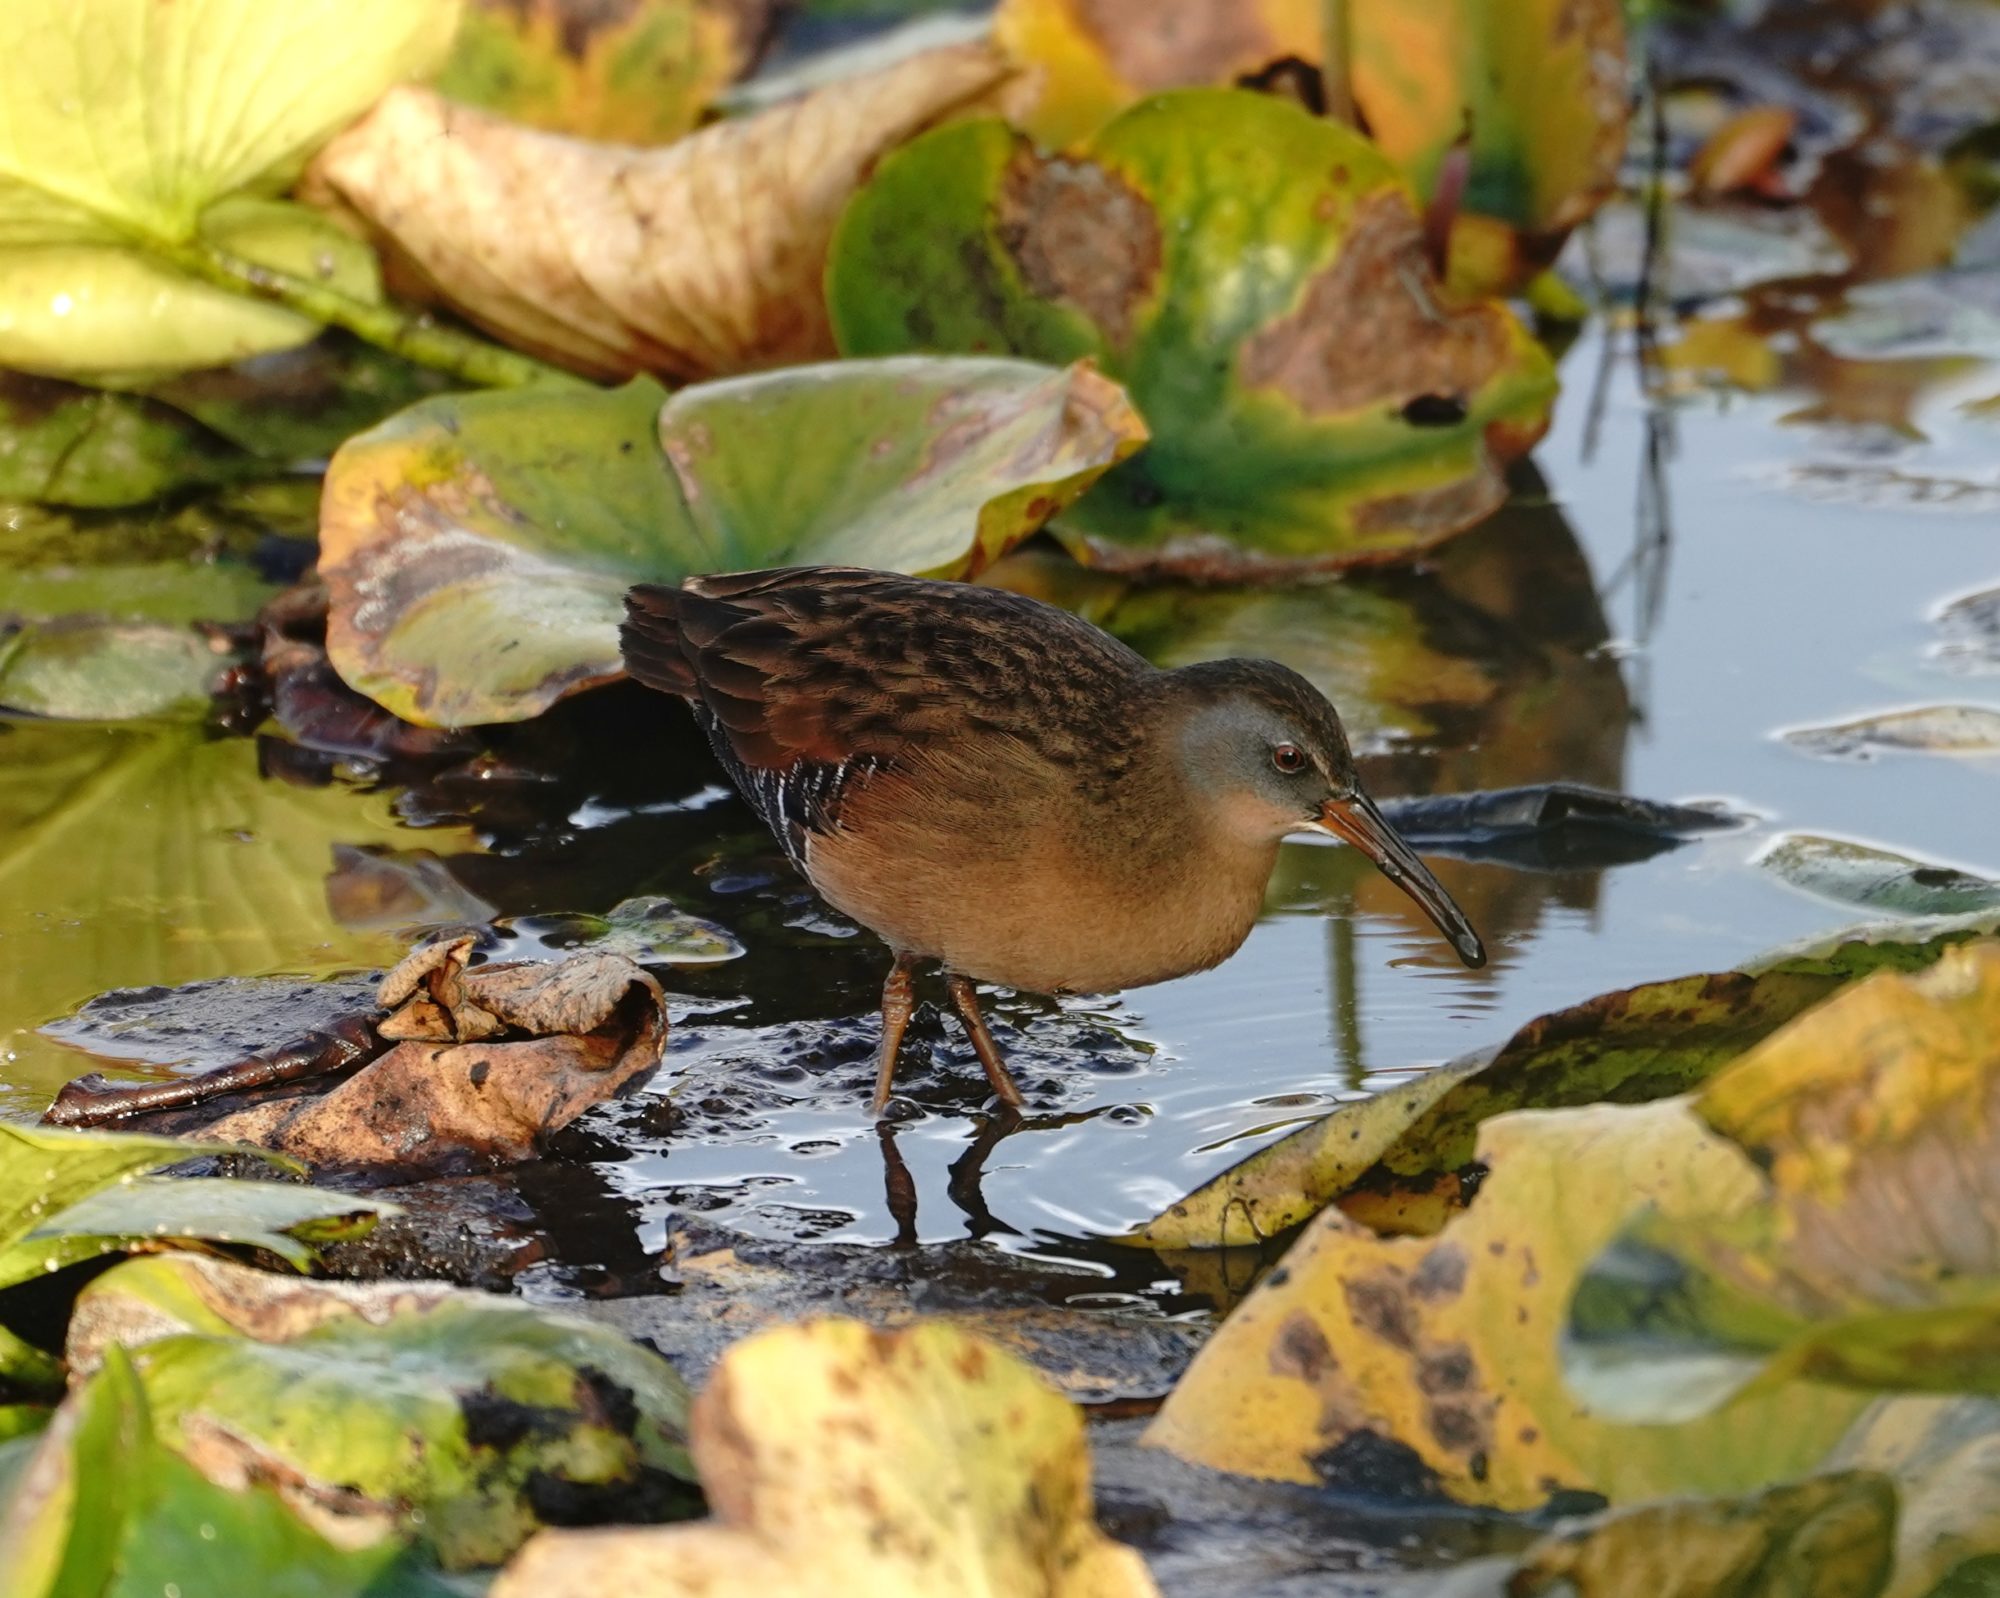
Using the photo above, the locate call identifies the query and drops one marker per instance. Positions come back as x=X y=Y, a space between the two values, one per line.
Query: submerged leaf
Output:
x=435 y=1405
x=1864 y=1256
x=700 y=259
x=1931 y=729
x=478 y=548
x=129 y=123
x=1257 y=277
x=857 y=1463
x=1858 y=874
x=83 y=669
x=75 y=446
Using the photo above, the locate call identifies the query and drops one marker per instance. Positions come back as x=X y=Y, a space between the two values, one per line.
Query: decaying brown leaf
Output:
x=488 y=1061
x=851 y=1463
x=698 y=259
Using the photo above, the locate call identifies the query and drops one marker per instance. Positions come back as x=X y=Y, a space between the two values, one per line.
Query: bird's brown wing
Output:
x=814 y=678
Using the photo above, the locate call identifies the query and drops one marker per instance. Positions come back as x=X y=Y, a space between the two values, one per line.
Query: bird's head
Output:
x=1264 y=752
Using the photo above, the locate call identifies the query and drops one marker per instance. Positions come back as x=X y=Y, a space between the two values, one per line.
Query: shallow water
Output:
x=1786 y=573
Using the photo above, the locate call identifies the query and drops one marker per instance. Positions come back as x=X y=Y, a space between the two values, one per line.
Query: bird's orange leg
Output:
x=966 y=998
x=898 y=1000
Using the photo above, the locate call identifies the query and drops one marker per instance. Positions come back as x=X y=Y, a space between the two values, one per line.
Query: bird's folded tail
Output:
x=650 y=640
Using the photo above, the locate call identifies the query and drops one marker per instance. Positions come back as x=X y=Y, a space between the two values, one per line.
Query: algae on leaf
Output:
x=1256 y=277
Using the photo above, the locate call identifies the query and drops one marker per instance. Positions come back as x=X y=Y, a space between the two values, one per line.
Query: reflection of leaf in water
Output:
x=131 y=857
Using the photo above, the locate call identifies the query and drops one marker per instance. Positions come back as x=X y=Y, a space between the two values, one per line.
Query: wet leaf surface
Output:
x=477 y=549
x=859 y=1461
x=83 y=669
x=132 y=127
x=1863 y=1256
x=467 y=1420
x=1325 y=408
x=72 y=446
x=583 y=254
x=1397 y=1158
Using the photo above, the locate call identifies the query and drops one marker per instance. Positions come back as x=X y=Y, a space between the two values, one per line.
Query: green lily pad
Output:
x=1861 y=1256
x=477 y=548
x=1396 y=1158
x=446 y=1405
x=103 y=1510
x=1257 y=278
x=134 y=128
x=1876 y=879
x=67 y=1196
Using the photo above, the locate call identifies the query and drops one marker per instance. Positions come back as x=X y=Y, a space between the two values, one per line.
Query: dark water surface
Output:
x=1652 y=628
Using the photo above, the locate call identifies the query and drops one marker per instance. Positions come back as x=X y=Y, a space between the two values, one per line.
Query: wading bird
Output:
x=992 y=783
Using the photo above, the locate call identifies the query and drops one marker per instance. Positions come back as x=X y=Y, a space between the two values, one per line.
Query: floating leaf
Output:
x=478 y=548
x=1257 y=277
x=641 y=73
x=435 y=1404
x=287 y=1219
x=851 y=1462
x=103 y=1510
x=1858 y=874
x=1401 y=1146
x=1523 y=104
x=1931 y=729
x=1861 y=1257
x=132 y=124
x=1087 y=60
x=699 y=259
x=1448 y=1345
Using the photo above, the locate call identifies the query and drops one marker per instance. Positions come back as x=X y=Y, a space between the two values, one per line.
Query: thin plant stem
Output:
x=411 y=335
x=1334 y=61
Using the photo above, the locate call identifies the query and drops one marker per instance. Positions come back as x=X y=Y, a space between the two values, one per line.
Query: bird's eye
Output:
x=1289 y=758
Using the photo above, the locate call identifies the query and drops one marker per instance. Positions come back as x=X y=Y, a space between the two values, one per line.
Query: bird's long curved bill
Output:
x=1355 y=820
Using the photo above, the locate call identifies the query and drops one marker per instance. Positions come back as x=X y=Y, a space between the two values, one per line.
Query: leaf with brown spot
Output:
x=1870 y=1254
x=413 y=1401
x=853 y=1463
x=1355 y=1336
x=697 y=259
x=1258 y=278
x=1396 y=1148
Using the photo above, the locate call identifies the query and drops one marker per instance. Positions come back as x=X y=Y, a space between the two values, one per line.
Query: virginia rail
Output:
x=989 y=782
